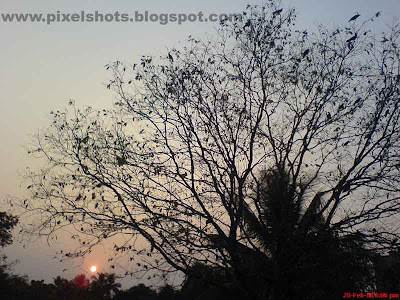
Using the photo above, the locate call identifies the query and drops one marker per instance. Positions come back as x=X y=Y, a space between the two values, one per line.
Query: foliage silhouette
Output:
x=139 y=292
x=104 y=285
x=7 y=223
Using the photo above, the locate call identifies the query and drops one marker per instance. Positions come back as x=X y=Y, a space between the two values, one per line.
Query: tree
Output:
x=11 y=285
x=387 y=272
x=174 y=161
x=64 y=289
x=299 y=244
x=139 y=292
x=209 y=283
x=293 y=245
x=39 y=290
x=81 y=285
x=167 y=292
x=7 y=223
x=103 y=285
x=81 y=282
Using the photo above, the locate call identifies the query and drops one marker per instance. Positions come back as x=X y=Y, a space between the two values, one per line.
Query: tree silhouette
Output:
x=167 y=292
x=139 y=292
x=7 y=223
x=104 y=286
x=299 y=244
x=293 y=244
x=387 y=272
x=64 y=289
x=206 y=282
x=39 y=290
x=172 y=164
x=11 y=286
x=81 y=282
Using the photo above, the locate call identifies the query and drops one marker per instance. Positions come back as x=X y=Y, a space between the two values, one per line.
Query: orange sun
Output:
x=93 y=269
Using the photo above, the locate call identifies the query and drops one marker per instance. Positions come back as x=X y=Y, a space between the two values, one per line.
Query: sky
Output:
x=43 y=66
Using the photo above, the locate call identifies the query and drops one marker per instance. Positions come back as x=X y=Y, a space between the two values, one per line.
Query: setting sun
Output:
x=93 y=269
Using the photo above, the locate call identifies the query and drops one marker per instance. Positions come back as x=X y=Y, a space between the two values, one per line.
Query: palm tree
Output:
x=289 y=242
x=286 y=250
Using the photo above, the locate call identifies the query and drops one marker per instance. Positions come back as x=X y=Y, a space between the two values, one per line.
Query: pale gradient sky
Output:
x=43 y=66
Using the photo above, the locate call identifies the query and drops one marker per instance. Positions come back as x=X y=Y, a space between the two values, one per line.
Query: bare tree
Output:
x=171 y=168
